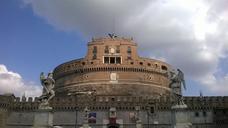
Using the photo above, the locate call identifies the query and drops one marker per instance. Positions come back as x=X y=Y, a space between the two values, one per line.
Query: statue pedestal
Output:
x=85 y=126
x=139 y=124
x=180 y=116
x=43 y=118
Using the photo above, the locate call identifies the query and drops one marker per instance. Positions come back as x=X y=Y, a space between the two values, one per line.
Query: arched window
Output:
x=164 y=67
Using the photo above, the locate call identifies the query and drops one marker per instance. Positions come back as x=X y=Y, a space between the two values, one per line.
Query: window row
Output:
x=204 y=114
x=112 y=60
x=107 y=49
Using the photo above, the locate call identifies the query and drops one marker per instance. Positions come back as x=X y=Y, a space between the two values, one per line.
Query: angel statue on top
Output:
x=177 y=81
x=48 y=93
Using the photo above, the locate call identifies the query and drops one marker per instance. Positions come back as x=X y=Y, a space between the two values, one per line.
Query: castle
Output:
x=117 y=87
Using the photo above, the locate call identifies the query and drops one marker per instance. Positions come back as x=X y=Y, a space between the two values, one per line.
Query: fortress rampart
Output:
x=105 y=102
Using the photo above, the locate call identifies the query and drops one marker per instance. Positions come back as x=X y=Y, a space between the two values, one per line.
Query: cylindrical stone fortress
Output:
x=113 y=67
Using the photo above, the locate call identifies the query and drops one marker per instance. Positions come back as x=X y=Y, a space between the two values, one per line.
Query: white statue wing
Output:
x=181 y=77
x=42 y=77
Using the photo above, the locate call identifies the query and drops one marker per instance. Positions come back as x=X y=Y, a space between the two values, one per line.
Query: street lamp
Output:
x=76 y=96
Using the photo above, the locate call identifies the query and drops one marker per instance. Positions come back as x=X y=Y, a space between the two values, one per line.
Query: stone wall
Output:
x=67 y=119
x=3 y=117
x=203 y=112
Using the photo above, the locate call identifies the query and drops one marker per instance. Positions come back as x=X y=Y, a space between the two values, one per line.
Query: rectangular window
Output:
x=118 y=49
x=112 y=60
x=129 y=50
x=118 y=60
x=196 y=114
x=95 y=49
x=204 y=113
x=106 y=60
x=106 y=50
x=151 y=109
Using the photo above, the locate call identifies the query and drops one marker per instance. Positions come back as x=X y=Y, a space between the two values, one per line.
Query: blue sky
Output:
x=37 y=36
x=30 y=45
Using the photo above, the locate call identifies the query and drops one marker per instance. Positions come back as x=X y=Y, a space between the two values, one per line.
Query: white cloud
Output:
x=11 y=82
x=191 y=34
x=218 y=85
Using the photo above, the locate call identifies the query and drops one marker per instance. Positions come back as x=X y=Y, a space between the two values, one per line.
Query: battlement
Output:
x=107 y=39
x=25 y=99
x=120 y=102
x=84 y=98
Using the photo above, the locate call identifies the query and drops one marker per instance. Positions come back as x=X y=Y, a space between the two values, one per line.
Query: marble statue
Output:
x=112 y=35
x=48 y=93
x=176 y=83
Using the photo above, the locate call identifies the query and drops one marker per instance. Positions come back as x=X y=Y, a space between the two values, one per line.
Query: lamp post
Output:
x=76 y=108
x=138 y=120
x=148 y=117
x=76 y=112
x=202 y=101
x=76 y=96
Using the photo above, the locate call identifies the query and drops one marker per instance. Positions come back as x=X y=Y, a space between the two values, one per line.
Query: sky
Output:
x=38 y=35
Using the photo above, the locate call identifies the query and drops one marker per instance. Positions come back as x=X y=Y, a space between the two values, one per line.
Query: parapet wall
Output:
x=105 y=102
